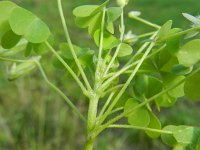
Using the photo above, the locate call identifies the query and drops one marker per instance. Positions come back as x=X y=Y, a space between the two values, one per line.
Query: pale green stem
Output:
x=119 y=46
x=124 y=69
x=91 y=121
x=145 y=22
x=60 y=92
x=84 y=90
x=112 y=89
x=71 y=46
x=127 y=82
x=106 y=104
x=116 y=110
x=139 y=36
x=99 y=62
x=139 y=128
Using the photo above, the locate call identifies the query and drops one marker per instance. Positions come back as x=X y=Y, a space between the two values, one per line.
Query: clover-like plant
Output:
x=129 y=76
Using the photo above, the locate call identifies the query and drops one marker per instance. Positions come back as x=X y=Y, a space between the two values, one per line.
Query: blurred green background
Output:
x=33 y=117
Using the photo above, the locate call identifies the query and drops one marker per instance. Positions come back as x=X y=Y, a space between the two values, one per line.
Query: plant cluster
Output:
x=129 y=76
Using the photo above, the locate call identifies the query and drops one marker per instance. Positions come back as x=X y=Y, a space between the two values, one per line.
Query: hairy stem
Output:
x=100 y=61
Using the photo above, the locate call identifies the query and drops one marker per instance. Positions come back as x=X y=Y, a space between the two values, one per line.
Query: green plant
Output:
x=164 y=68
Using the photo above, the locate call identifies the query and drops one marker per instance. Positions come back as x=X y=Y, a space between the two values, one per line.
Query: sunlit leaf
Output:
x=25 y=23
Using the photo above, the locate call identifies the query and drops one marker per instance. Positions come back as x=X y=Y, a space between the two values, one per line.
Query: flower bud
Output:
x=21 y=69
x=122 y=3
x=133 y=14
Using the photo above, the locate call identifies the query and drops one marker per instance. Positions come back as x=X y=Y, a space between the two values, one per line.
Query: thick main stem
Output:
x=92 y=114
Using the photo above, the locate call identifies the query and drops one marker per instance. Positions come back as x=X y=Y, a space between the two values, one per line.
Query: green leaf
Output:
x=154 y=124
x=28 y=50
x=95 y=24
x=183 y=134
x=109 y=41
x=13 y=51
x=189 y=54
x=110 y=28
x=100 y=7
x=169 y=139
x=66 y=52
x=192 y=87
x=40 y=48
x=84 y=22
x=84 y=11
x=181 y=70
x=140 y=117
x=143 y=85
x=10 y=39
x=165 y=29
x=165 y=100
x=169 y=80
x=25 y=23
x=6 y=7
x=113 y=13
x=167 y=67
x=125 y=50
x=173 y=43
